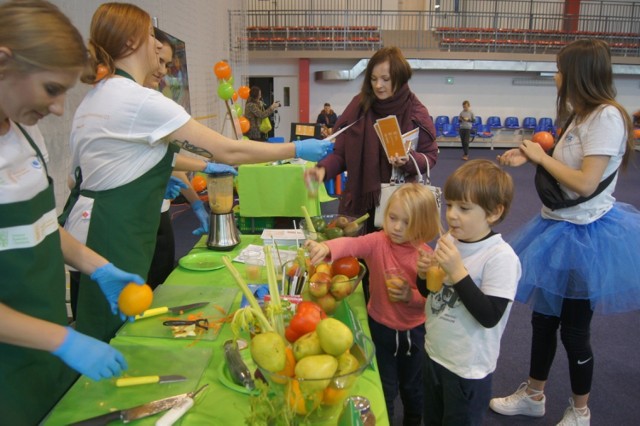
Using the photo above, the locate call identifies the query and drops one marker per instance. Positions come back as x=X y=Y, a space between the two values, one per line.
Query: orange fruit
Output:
x=199 y=183
x=300 y=403
x=289 y=367
x=333 y=396
x=135 y=299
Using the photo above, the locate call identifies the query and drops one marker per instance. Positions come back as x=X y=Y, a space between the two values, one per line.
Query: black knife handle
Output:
x=99 y=420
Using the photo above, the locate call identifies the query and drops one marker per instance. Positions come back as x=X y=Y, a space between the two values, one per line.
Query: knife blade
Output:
x=144 y=380
x=134 y=413
x=176 y=310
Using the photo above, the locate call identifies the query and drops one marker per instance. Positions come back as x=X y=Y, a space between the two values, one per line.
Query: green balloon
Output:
x=225 y=91
x=229 y=80
x=238 y=109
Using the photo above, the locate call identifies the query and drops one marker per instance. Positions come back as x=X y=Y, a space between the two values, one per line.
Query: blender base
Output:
x=223 y=232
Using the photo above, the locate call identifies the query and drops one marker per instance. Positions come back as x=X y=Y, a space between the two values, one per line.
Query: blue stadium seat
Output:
x=494 y=122
x=478 y=122
x=529 y=123
x=440 y=121
x=512 y=123
x=455 y=121
x=449 y=131
x=545 y=124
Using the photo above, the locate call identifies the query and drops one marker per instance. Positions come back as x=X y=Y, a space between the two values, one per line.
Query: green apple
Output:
x=307 y=344
x=315 y=369
x=347 y=363
x=335 y=337
x=268 y=351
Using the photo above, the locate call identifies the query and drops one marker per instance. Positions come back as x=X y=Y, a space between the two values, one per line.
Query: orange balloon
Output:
x=636 y=133
x=222 y=70
x=234 y=96
x=243 y=92
x=544 y=139
x=199 y=183
x=244 y=124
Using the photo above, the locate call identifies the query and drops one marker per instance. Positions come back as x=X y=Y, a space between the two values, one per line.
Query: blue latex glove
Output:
x=217 y=168
x=203 y=217
x=313 y=149
x=111 y=281
x=173 y=188
x=90 y=356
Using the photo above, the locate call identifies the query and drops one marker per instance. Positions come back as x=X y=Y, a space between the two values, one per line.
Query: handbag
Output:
x=265 y=125
x=387 y=189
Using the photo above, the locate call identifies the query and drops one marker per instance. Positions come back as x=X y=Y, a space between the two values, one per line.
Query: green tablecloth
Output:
x=267 y=190
x=199 y=360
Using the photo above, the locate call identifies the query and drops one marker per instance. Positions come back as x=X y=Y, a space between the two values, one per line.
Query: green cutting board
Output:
x=219 y=298
x=145 y=357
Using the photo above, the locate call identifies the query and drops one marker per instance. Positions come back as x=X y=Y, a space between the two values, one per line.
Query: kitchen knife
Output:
x=144 y=380
x=134 y=413
x=176 y=310
x=178 y=410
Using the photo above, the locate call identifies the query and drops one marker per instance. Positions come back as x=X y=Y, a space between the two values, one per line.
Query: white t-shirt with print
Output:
x=118 y=130
x=22 y=174
x=601 y=133
x=454 y=338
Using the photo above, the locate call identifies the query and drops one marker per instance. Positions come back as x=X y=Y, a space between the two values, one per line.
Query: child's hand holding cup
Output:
x=395 y=281
x=430 y=270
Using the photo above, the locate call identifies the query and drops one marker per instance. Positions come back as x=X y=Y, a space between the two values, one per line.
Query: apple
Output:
x=318 y=288
x=323 y=267
x=328 y=303
x=335 y=337
x=341 y=286
x=306 y=345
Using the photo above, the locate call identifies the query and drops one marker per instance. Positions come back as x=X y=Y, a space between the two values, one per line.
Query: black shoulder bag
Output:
x=551 y=195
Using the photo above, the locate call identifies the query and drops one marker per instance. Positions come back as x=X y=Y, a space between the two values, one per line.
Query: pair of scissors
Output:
x=202 y=323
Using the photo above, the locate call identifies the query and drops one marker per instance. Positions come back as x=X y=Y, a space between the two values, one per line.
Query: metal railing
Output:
x=524 y=26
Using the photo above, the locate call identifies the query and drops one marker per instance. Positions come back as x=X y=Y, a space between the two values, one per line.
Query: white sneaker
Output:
x=519 y=403
x=573 y=418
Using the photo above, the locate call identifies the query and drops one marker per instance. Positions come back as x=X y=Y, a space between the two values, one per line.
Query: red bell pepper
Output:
x=308 y=315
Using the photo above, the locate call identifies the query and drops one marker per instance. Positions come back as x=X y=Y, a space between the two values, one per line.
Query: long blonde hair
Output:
x=424 y=215
x=40 y=37
x=113 y=26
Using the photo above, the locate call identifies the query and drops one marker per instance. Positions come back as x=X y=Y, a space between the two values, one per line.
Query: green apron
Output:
x=124 y=223
x=32 y=381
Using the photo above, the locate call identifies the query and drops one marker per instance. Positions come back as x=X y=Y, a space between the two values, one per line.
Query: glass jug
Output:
x=220 y=189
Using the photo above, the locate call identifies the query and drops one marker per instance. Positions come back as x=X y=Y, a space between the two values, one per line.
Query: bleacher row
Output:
x=537 y=41
x=446 y=127
x=312 y=37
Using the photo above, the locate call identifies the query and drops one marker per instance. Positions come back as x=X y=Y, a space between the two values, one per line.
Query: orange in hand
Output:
x=135 y=299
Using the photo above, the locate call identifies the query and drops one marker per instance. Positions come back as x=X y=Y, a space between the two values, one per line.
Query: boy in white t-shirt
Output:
x=467 y=316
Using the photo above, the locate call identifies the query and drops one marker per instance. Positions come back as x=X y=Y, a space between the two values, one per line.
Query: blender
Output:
x=223 y=232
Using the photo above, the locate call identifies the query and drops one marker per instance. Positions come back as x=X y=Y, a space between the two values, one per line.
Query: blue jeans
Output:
x=400 y=357
x=452 y=400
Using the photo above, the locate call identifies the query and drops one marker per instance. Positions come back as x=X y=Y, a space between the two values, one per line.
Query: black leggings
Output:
x=575 y=324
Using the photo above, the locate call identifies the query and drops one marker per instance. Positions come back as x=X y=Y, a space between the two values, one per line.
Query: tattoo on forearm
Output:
x=192 y=148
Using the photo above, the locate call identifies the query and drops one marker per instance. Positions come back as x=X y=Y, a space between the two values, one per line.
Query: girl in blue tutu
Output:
x=580 y=254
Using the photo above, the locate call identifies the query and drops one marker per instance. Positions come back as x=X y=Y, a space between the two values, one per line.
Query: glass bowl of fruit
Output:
x=330 y=226
x=327 y=284
x=321 y=370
